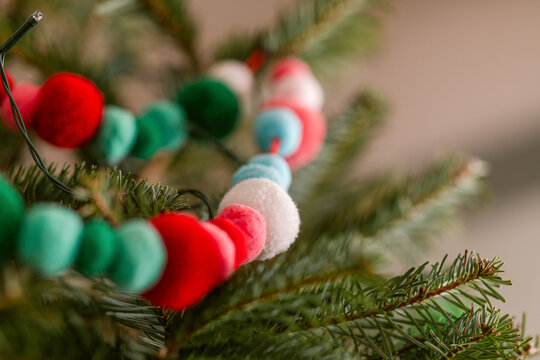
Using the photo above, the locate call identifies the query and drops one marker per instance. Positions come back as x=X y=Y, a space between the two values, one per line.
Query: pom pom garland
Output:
x=99 y=245
x=237 y=236
x=50 y=237
x=25 y=96
x=275 y=205
x=11 y=215
x=225 y=246
x=278 y=123
x=257 y=171
x=277 y=162
x=69 y=110
x=236 y=74
x=303 y=89
x=289 y=66
x=251 y=222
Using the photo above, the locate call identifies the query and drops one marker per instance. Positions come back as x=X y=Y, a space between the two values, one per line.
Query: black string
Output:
x=201 y=197
x=200 y=132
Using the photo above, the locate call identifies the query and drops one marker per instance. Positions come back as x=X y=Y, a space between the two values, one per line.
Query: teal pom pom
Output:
x=11 y=214
x=116 y=135
x=163 y=126
x=257 y=171
x=141 y=256
x=49 y=238
x=211 y=105
x=282 y=124
x=277 y=162
x=99 y=245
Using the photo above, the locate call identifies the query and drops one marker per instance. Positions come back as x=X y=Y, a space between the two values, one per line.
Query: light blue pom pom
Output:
x=172 y=121
x=255 y=171
x=277 y=162
x=141 y=256
x=281 y=123
x=50 y=237
x=116 y=135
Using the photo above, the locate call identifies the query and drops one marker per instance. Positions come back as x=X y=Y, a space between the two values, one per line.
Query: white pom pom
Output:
x=275 y=205
x=301 y=88
x=235 y=74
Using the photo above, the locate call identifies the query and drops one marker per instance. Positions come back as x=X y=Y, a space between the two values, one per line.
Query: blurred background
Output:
x=460 y=75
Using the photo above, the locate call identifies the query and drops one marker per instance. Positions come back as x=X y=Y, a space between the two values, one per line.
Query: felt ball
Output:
x=257 y=171
x=11 y=83
x=116 y=135
x=313 y=132
x=238 y=237
x=141 y=256
x=277 y=162
x=49 y=238
x=25 y=95
x=225 y=245
x=275 y=205
x=194 y=263
x=99 y=244
x=69 y=110
x=11 y=215
x=211 y=105
x=303 y=89
x=163 y=126
x=236 y=74
x=278 y=123
x=251 y=222
x=287 y=67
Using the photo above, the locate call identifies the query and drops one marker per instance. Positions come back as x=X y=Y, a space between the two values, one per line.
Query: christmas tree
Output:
x=328 y=295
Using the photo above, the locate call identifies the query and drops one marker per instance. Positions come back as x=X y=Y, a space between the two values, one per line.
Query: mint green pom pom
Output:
x=211 y=105
x=11 y=214
x=49 y=238
x=162 y=127
x=116 y=135
x=141 y=256
x=99 y=245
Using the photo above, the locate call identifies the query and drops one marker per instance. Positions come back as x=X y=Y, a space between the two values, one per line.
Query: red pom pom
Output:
x=194 y=262
x=25 y=96
x=252 y=223
x=226 y=248
x=313 y=131
x=69 y=110
x=11 y=83
x=238 y=237
x=289 y=66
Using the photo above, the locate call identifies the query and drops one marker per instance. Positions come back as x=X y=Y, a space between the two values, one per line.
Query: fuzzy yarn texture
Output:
x=251 y=222
x=275 y=205
x=313 y=131
x=237 y=236
x=287 y=67
x=141 y=256
x=225 y=245
x=304 y=89
x=194 y=264
x=235 y=74
x=25 y=95
x=11 y=215
x=277 y=162
x=115 y=137
x=99 y=244
x=49 y=238
x=258 y=171
x=211 y=105
x=11 y=83
x=278 y=123
x=69 y=110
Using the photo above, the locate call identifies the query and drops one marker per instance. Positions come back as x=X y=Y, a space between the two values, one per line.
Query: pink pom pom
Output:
x=288 y=66
x=25 y=96
x=252 y=223
x=225 y=245
x=313 y=128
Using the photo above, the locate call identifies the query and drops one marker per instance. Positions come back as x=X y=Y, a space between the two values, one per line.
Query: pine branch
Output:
x=347 y=136
x=175 y=18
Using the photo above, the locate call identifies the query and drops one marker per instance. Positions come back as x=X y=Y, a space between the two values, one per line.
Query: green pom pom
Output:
x=99 y=245
x=163 y=126
x=49 y=238
x=211 y=105
x=141 y=256
x=116 y=135
x=11 y=214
